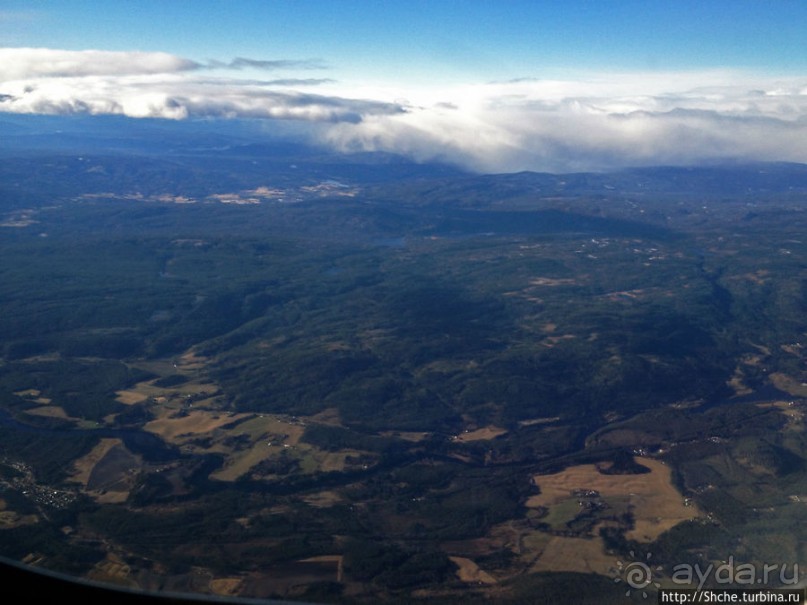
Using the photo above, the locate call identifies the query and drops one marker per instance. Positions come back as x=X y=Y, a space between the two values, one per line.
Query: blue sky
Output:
x=437 y=79
x=424 y=39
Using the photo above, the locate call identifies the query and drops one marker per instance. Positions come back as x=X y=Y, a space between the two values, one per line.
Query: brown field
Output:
x=534 y=421
x=188 y=365
x=226 y=587
x=324 y=499
x=190 y=360
x=262 y=430
x=84 y=466
x=485 y=433
x=657 y=504
x=113 y=570
x=188 y=415
x=34 y=395
x=266 y=424
x=469 y=572
x=785 y=383
x=269 y=436
x=50 y=411
x=510 y=535
x=238 y=464
x=535 y=542
x=585 y=555
x=738 y=385
x=144 y=391
x=108 y=472
x=9 y=518
x=130 y=397
x=334 y=461
x=196 y=422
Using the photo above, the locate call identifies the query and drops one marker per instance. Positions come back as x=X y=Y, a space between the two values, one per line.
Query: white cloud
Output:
x=160 y=85
x=244 y=63
x=593 y=121
x=25 y=63
x=597 y=123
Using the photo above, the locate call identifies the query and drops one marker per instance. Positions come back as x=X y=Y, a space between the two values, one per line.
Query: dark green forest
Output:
x=579 y=321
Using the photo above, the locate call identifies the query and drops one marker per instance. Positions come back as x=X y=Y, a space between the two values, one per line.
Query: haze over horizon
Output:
x=489 y=87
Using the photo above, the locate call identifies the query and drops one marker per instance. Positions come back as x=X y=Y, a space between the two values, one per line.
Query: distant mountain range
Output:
x=197 y=142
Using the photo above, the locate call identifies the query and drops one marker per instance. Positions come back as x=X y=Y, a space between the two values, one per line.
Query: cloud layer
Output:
x=583 y=123
x=27 y=63
x=598 y=124
x=160 y=85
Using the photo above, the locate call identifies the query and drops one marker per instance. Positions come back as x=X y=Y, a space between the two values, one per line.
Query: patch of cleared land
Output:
x=108 y=472
x=534 y=421
x=84 y=466
x=786 y=383
x=585 y=555
x=657 y=505
x=338 y=461
x=263 y=438
x=324 y=499
x=50 y=411
x=10 y=519
x=737 y=383
x=130 y=397
x=191 y=360
x=469 y=572
x=266 y=436
x=34 y=395
x=45 y=408
x=112 y=569
x=226 y=587
x=193 y=423
x=189 y=414
x=239 y=463
x=144 y=391
x=485 y=433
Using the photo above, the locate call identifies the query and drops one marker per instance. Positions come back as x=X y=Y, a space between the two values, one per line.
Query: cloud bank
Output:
x=160 y=85
x=583 y=123
x=26 y=63
x=598 y=124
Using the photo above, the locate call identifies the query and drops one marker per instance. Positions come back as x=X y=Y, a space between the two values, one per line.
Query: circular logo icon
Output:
x=637 y=575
